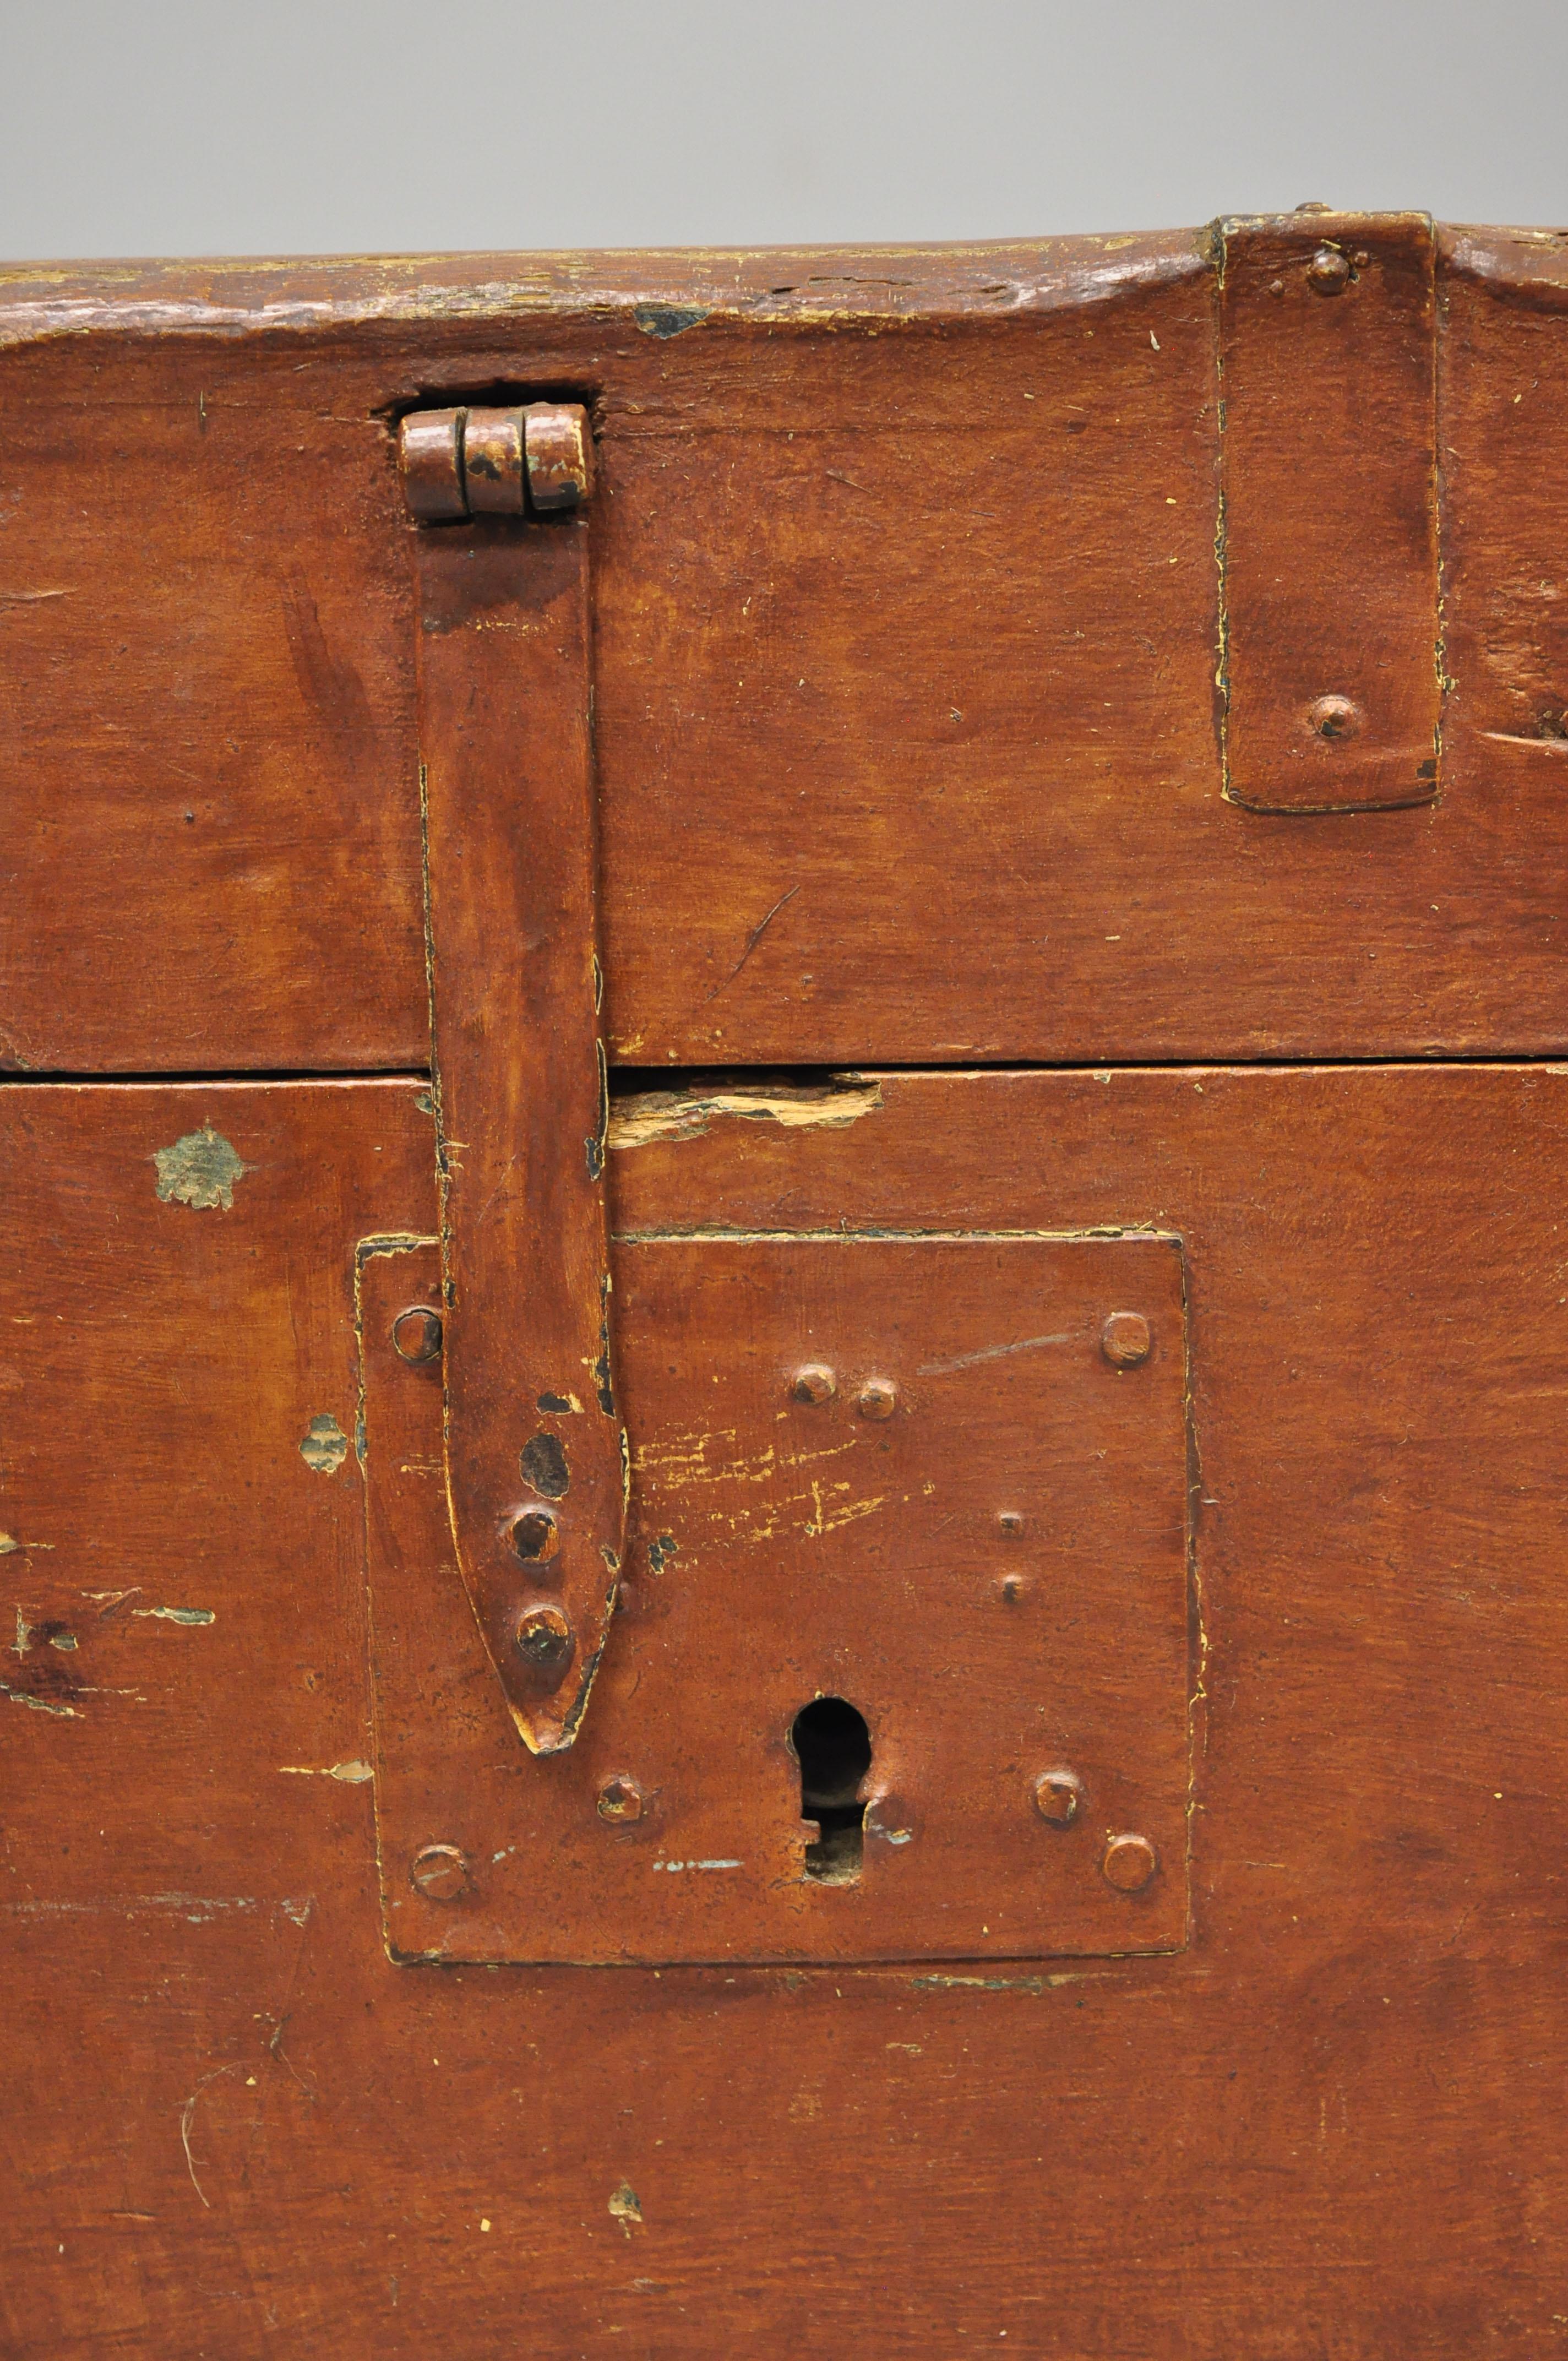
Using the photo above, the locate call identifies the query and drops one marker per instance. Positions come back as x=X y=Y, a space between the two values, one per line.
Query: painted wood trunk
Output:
x=785 y=1331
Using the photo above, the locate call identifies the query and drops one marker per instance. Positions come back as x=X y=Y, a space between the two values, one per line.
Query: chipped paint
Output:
x=57 y=1635
x=200 y=1908
x=661 y=1551
x=666 y=320
x=39 y=1704
x=351 y=1775
x=177 y=1614
x=991 y=1353
x=644 y=1116
x=200 y=1170
x=324 y=1445
x=980 y=1983
x=9 y=1545
x=680 y=1462
x=624 y=2207
x=673 y=1865
x=543 y=1463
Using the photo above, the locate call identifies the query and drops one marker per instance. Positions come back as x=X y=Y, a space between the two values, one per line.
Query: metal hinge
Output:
x=536 y=1457
x=535 y=459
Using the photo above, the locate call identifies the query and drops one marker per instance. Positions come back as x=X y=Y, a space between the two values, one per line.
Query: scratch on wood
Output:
x=752 y=939
x=991 y=1353
x=188 y=2116
x=109 y=1602
x=676 y=1462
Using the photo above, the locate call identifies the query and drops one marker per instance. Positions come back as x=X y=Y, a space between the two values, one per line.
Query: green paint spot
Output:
x=200 y=1170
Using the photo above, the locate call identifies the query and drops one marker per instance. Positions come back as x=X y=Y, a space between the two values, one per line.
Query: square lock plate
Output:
x=900 y=1672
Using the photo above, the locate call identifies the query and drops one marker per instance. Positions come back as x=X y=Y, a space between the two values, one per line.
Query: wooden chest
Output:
x=786 y=1328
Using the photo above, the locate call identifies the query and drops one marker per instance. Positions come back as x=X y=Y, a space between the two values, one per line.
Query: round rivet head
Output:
x=878 y=1397
x=1334 y=717
x=545 y=1641
x=814 y=1383
x=1328 y=273
x=1130 y=1862
x=439 y=1871
x=416 y=1333
x=1058 y=1797
x=1125 y=1339
x=534 y=1536
x=620 y=1799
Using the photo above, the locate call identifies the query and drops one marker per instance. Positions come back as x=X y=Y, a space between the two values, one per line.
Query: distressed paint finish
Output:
x=522 y=1097
x=905 y=622
x=853 y=499
x=1324 y=2126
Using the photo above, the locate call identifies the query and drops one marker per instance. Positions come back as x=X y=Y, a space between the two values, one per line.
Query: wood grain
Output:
x=831 y=520
x=1324 y=2127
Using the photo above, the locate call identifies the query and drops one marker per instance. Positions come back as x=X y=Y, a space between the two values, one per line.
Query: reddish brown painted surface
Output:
x=783 y=1551
x=832 y=519
x=1331 y=2123
x=904 y=635
x=1331 y=664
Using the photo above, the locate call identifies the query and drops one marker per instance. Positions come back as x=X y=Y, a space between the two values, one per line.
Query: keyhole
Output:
x=833 y=1747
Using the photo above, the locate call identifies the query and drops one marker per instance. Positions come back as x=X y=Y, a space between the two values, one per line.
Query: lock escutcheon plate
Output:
x=994 y=1576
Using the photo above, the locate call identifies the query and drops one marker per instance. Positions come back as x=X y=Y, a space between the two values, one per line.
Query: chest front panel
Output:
x=783 y=1354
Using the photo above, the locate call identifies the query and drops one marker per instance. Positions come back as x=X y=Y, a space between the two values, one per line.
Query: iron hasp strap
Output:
x=536 y=1453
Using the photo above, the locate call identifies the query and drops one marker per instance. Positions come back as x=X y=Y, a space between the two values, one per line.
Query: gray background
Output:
x=203 y=127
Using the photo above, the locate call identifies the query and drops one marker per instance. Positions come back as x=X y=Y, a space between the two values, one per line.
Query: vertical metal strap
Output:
x=535 y=1452
x=1331 y=666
